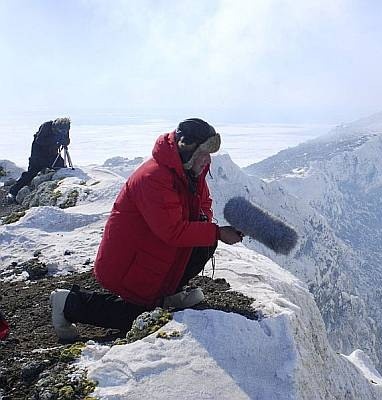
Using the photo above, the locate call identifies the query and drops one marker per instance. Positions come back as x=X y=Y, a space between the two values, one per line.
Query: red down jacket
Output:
x=153 y=226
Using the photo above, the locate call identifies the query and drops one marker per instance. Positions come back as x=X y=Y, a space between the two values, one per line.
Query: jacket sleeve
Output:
x=160 y=205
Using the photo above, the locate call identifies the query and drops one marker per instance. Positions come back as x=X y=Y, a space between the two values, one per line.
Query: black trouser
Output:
x=110 y=311
x=196 y=263
x=33 y=169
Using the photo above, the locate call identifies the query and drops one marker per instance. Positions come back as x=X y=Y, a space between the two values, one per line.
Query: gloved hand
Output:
x=229 y=235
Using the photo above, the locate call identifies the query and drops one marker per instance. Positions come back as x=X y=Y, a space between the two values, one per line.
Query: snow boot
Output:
x=186 y=298
x=65 y=330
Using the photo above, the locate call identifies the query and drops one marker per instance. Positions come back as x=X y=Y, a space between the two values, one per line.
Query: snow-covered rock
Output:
x=121 y=165
x=217 y=355
x=52 y=230
x=9 y=171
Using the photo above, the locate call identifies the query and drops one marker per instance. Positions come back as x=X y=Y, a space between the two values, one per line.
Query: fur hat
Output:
x=196 y=131
x=61 y=124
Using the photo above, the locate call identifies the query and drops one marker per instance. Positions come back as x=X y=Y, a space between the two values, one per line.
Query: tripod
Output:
x=67 y=159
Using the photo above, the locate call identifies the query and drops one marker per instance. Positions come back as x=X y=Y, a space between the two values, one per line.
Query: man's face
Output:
x=200 y=162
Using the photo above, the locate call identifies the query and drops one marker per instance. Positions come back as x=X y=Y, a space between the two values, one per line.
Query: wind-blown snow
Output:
x=52 y=219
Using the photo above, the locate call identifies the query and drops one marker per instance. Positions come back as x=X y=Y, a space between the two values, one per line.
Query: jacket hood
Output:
x=165 y=152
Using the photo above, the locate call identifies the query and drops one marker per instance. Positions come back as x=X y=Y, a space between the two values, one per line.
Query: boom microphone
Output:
x=259 y=225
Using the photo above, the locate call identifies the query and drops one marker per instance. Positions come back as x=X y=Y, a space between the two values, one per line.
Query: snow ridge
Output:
x=339 y=179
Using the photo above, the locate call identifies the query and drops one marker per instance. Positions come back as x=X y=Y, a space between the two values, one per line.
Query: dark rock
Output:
x=5 y=207
x=31 y=370
x=3 y=378
x=219 y=297
x=9 y=182
x=35 y=268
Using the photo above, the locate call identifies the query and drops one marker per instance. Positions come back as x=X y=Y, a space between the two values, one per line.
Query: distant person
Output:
x=46 y=145
x=159 y=235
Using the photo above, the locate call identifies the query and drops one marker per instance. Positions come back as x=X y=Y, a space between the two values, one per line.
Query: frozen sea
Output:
x=93 y=143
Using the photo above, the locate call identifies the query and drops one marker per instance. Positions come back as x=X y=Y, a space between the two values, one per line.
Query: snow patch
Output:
x=52 y=219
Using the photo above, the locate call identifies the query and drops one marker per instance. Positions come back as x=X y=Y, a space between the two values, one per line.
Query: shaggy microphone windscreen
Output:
x=259 y=225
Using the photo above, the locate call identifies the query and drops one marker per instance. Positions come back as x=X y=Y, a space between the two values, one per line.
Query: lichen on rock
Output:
x=168 y=335
x=13 y=217
x=72 y=352
x=43 y=195
x=148 y=323
x=69 y=199
x=59 y=383
x=51 y=189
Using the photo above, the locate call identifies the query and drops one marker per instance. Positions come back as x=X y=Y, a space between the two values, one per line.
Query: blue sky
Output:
x=236 y=60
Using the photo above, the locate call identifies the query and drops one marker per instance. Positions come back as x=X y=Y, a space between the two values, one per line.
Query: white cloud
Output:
x=274 y=56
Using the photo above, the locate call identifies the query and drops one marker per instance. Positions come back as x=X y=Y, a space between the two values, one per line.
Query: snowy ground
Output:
x=76 y=230
x=217 y=355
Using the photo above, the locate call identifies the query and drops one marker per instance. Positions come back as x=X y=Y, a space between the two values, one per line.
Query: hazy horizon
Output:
x=94 y=143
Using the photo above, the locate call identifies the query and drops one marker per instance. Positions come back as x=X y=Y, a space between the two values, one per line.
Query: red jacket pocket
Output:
x=145 y=279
